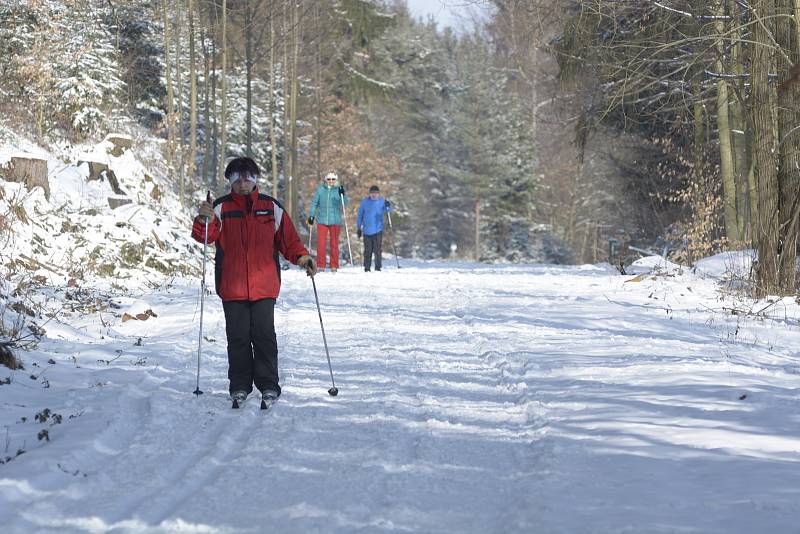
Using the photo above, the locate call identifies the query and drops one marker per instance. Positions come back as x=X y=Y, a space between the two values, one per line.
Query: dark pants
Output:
x=372 y=245
x=252 y=345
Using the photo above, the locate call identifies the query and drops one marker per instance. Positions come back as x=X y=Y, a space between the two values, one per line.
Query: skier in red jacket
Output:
x=250 y=229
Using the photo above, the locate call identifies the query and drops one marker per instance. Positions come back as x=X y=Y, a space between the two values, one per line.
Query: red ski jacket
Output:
x=249 y=232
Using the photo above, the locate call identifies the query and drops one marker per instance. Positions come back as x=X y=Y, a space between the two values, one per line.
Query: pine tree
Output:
x=423 y=78
x=499 y=156
x=140 y=59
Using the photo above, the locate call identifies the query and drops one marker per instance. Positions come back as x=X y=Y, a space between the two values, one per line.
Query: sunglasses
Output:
x=235 y=177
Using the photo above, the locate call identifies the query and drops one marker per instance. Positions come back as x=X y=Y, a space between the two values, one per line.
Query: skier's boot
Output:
x=238 y=398
x=268 y=396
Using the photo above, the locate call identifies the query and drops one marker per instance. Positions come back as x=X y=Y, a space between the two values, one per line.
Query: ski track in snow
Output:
x=472 y=399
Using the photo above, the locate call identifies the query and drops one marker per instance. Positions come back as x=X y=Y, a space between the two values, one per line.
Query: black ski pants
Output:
x=372 y=245
x=252 y=345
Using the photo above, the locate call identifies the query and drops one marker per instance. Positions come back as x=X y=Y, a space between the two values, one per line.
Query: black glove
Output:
x=388 y=204
x=358 y=233
x=341 y=190
x=308 y=264
x=310 y=221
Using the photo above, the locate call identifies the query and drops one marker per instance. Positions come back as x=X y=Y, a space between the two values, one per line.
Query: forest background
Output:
x=548 y=130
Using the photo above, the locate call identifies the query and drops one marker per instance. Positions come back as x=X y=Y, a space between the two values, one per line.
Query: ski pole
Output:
x=310 y=232
x=333 y=391
x=202 y=301
x=344 y=216
x=394 y=249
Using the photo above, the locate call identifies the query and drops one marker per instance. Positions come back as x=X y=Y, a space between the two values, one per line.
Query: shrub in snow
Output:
x=7 y=357
x=62 y=65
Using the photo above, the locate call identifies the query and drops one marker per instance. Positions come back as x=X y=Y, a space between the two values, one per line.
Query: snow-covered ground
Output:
x=471 y=399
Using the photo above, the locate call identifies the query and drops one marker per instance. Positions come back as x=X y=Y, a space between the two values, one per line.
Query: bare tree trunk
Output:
x=287 y=123
x=293 y=208
x=478 y=229
x=726 y=164
x=318 y=93
x=723 y=125
x=192 y=157
x=585 y=242
x=224 y=95
x=572 y=209
x=698 y=138
x=248 y=66
x=788 y=96
x=698 y=148
x=272 y=100
x=170 y=93
x=180 y=140
x=753 y=195
x=569 y=233
x=740 y=137
x=766 y=232
x=214 y=114
x=740 y=141
x=207 y=117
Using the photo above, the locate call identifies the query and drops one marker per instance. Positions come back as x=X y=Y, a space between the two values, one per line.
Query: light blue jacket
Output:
x=326 y=207
x=370 y=215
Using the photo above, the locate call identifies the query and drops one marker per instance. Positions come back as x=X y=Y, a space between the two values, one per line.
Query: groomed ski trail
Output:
x=472 y=399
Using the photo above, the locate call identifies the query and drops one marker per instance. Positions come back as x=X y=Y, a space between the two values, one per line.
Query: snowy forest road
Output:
x=472 y=399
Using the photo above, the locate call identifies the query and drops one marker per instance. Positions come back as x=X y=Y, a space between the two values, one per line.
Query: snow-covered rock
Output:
x=654 y=264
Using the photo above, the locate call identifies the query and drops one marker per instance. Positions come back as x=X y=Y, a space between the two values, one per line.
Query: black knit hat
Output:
x=374 y=189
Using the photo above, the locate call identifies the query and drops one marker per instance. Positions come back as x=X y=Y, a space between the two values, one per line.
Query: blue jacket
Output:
x=326 y=207
x=370 y=215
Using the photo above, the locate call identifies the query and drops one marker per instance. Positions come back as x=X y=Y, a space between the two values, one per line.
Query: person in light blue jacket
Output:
x=327 y=210
x=370 y=226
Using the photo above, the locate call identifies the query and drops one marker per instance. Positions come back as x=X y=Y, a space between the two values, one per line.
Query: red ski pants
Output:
x=322 y=237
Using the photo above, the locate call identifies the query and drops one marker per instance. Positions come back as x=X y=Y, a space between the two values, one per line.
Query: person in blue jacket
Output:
x=327 y=210
x=370 y=225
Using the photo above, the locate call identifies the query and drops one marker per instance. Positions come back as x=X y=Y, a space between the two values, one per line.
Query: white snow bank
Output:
x=732 y=264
